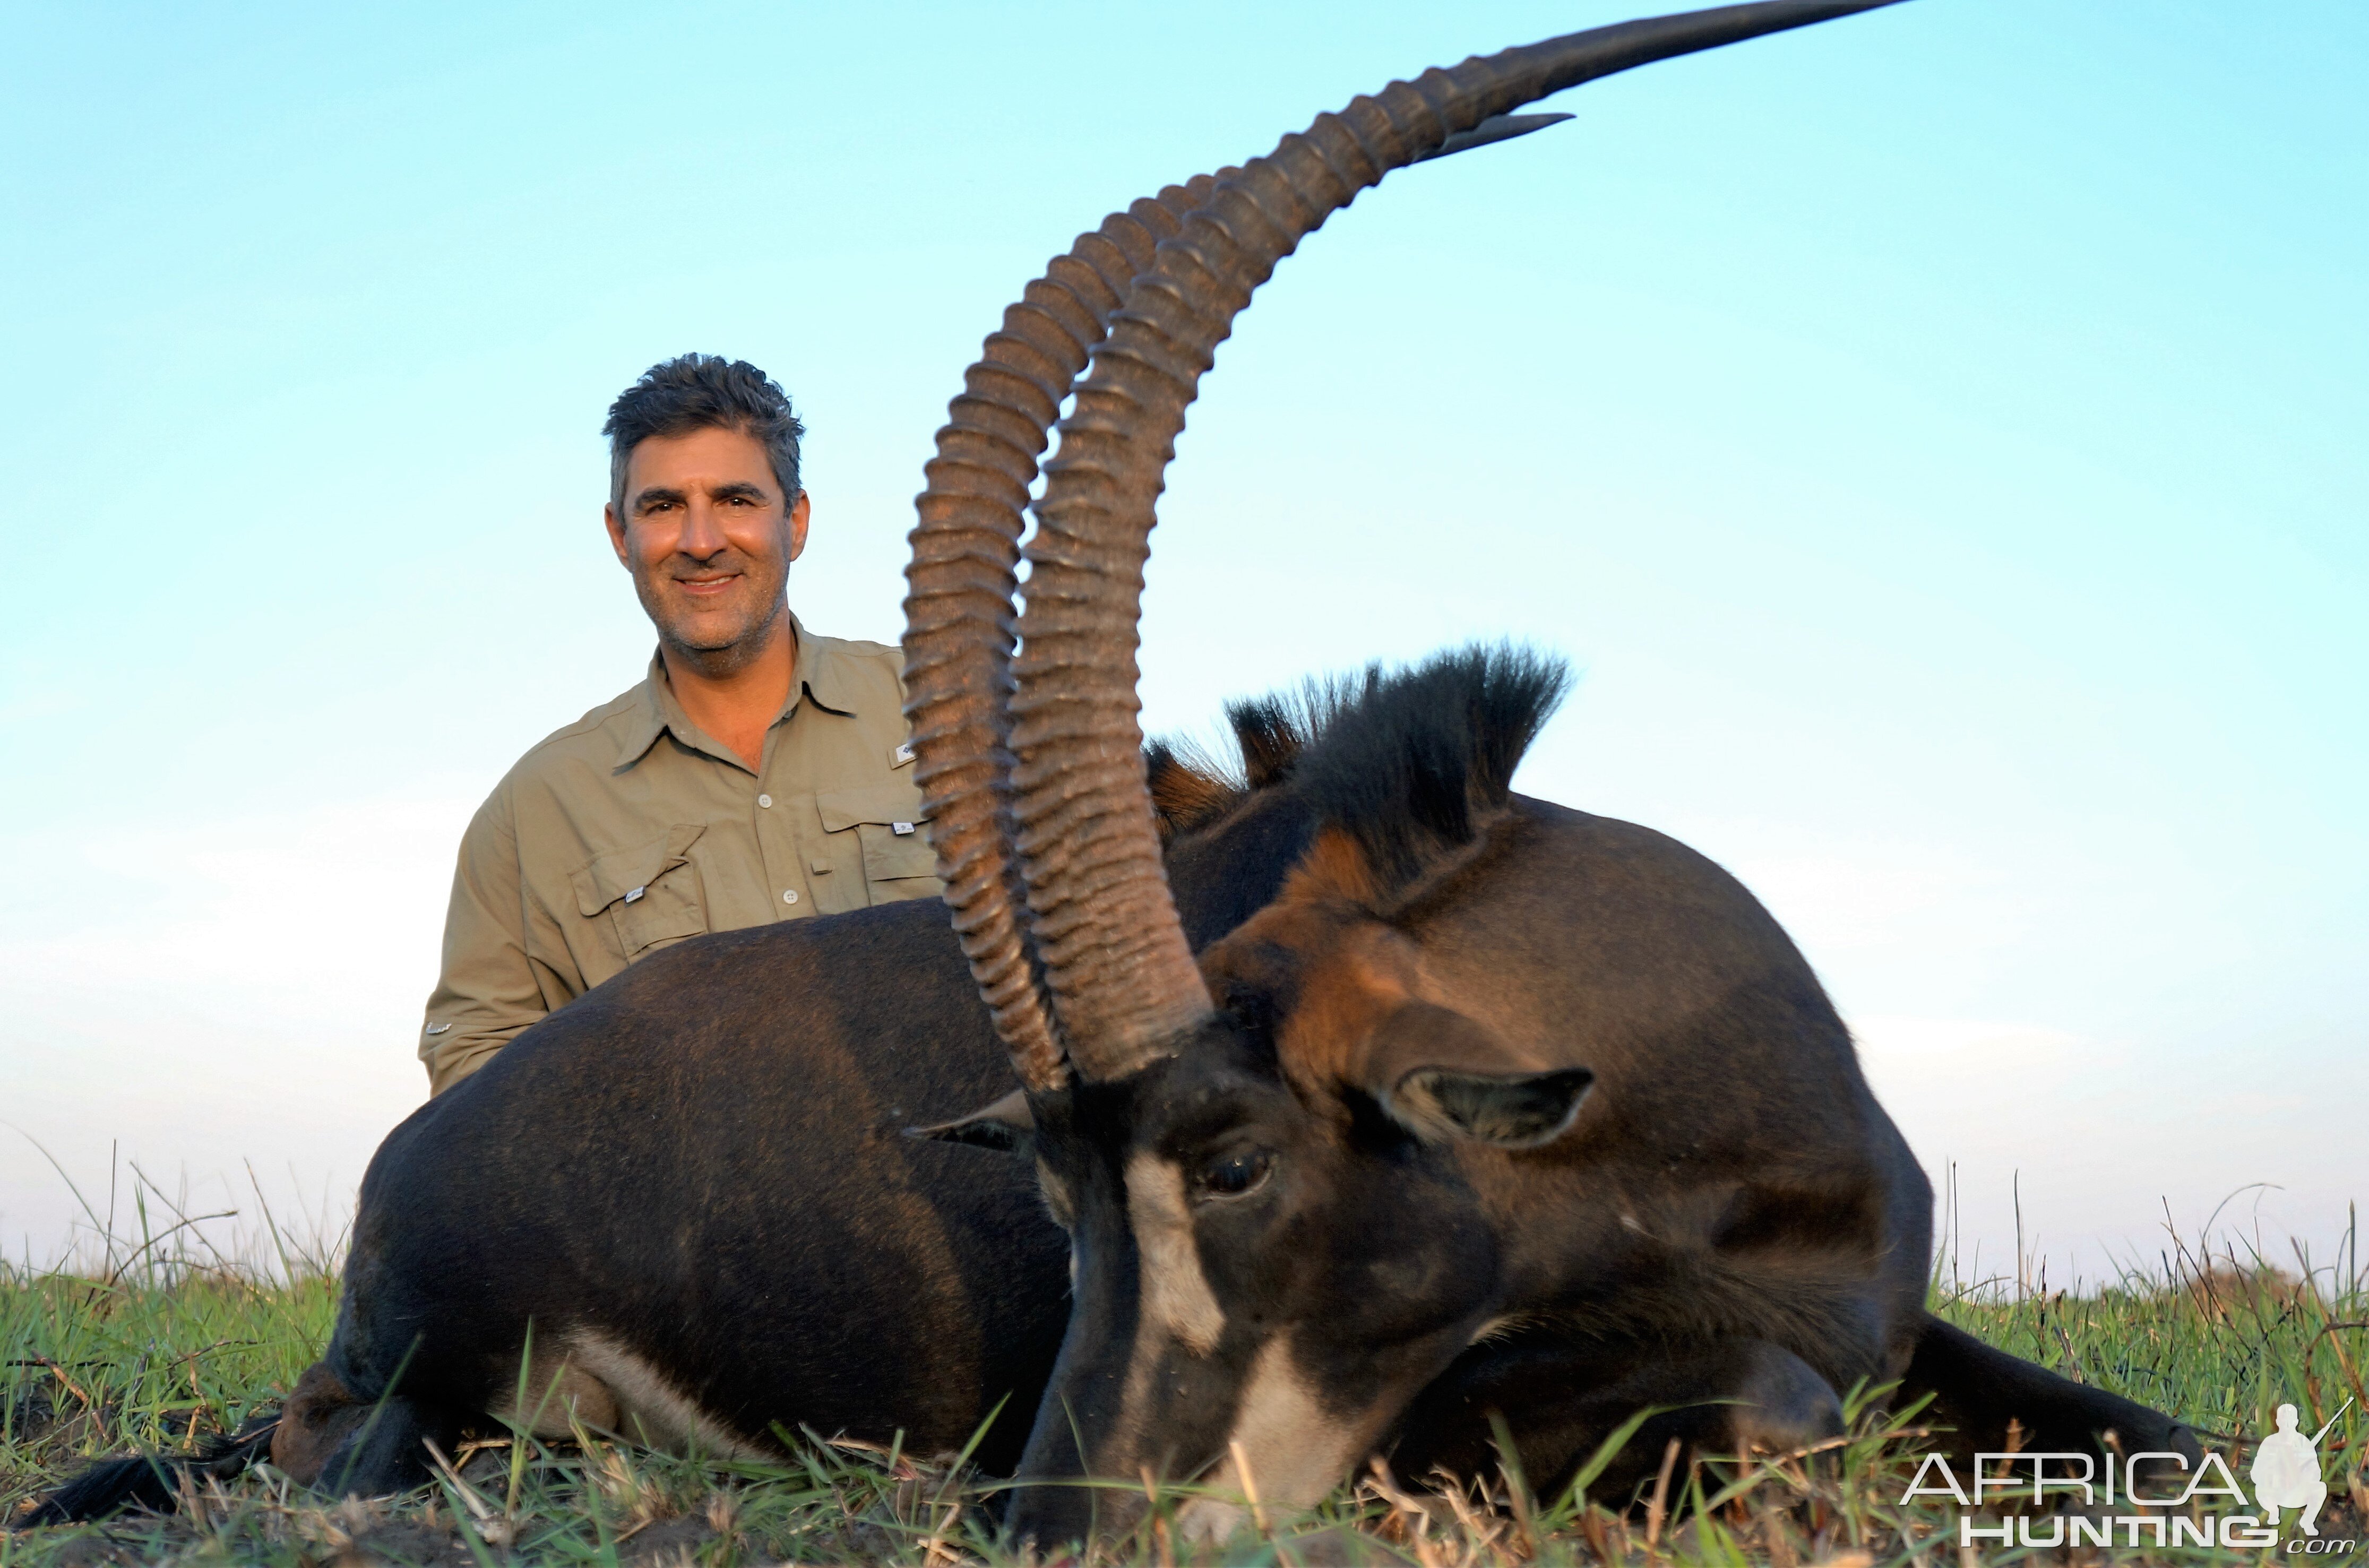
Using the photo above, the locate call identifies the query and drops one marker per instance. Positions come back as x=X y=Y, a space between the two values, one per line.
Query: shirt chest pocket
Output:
x=648 y=894
x=887 y=826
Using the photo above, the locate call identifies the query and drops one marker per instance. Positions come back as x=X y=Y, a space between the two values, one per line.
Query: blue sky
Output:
x=1934 y=437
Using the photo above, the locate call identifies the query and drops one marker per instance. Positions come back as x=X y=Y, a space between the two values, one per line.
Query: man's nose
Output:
x=702 y=530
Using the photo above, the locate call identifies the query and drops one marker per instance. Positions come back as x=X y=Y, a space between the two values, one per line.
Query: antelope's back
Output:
x=704 y=1160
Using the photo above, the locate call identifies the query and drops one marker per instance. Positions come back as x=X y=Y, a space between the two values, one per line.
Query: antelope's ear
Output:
x=1007 y=1126
x=1440 y=1074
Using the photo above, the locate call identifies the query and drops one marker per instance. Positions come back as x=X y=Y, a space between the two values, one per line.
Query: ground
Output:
x=149 y=1351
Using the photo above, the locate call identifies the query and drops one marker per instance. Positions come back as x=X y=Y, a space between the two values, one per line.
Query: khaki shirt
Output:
x=632 y=830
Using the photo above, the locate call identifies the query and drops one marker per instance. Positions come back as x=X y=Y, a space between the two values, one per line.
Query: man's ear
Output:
x=616 y=534
x=800 y=510
x=1440 y=1074
x=1007 y=1126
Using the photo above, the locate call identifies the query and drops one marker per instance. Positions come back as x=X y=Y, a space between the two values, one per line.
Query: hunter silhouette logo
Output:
x=2286 y=1471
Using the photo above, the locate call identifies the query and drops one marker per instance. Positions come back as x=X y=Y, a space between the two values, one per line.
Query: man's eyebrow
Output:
x=656 y=493
x=736 y=489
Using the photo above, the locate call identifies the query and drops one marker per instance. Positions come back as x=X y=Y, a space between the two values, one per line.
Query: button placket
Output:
x=777 y=848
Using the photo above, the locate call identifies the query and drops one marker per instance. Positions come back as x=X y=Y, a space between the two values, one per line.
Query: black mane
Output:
x=1403 y=760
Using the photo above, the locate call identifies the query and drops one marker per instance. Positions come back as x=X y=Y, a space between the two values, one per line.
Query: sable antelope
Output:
x=1376 y=1102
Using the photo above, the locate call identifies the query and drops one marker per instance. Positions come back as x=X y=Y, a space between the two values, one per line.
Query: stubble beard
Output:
x=716 y=652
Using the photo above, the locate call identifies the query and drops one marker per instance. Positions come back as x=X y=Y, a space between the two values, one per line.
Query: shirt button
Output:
x=789 y=894
x=766 y=800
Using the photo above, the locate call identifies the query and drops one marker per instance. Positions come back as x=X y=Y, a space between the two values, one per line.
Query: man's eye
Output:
x=1236 y=1175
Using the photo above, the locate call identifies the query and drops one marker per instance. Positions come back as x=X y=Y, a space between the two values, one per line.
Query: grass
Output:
x=152 y=1343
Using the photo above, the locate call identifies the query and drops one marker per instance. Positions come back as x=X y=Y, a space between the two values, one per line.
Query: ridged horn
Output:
x=958 y=609
x=1121 y=977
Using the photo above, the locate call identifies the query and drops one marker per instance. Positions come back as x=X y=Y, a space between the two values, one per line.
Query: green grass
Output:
x=149 y=1344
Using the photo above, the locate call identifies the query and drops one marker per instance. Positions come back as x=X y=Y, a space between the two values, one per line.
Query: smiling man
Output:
x=759 y=772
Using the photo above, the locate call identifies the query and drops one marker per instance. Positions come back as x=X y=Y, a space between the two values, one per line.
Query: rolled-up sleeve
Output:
x=488 y=990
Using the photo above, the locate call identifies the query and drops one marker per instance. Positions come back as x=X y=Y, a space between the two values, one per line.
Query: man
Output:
x=758 y=772
x=2286 y=1471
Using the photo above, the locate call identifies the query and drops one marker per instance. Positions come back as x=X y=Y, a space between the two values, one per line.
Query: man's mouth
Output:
x=707 y=587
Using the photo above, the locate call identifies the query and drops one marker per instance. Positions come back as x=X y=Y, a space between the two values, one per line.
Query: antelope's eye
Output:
x=1231 y=1175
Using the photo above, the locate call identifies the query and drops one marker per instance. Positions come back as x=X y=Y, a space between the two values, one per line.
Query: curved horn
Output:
x=1122 y=977
x=958 y=609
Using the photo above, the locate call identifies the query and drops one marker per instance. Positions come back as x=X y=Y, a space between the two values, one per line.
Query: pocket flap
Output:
x=887 y=857
x=619 y=873
x=887 y=805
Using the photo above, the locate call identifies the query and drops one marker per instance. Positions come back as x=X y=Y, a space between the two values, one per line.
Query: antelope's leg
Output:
x=1979 y=1391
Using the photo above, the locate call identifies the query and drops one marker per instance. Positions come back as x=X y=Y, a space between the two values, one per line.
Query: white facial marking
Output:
x=1176 y=1300
x=1057 y=1201
x=1173 y=1303
x=1505 y=1323
x=608 y=1388
x=1297 y=1451
x=1206 y=1521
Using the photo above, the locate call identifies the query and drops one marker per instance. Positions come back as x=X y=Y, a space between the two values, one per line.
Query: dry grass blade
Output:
x=1657 y=1510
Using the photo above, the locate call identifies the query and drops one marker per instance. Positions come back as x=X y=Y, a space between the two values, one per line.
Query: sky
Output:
x=1934 y=438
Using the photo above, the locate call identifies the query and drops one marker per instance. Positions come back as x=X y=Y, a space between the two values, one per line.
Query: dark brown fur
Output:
x=718 y=1181
x=1484 y=1060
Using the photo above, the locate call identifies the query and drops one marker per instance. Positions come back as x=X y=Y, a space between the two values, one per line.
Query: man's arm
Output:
x=488 y=992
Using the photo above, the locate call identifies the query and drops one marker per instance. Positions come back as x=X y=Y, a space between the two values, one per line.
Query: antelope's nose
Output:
x=1049 y=1515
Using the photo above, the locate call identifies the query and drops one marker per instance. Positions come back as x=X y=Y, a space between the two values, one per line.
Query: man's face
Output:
x=708 y=542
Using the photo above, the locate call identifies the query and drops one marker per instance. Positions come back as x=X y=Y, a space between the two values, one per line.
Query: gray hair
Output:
x=699 y=392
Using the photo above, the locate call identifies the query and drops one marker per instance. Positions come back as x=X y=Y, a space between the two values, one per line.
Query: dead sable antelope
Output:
x=1376 y=1103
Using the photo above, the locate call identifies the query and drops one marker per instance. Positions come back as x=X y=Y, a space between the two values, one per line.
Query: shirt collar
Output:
x=822 y=670
x=647 y=718
x=821 y=675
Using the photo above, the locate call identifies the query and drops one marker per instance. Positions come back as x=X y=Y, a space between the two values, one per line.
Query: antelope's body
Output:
x=692 y=1189
x=1366 y=1103
x=686 y=1205
x=684 y=1208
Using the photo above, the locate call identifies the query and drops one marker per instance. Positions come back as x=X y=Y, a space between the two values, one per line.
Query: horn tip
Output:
x=1496 y=128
